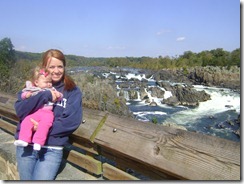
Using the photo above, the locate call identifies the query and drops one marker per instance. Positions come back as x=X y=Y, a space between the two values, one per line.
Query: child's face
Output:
x=44 y=82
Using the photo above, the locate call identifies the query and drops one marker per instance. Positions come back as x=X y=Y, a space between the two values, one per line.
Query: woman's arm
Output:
x=67 y=120
x=24 y=107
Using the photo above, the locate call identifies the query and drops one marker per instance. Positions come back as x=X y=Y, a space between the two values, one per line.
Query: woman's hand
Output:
x=54 y=96
x=35 y=124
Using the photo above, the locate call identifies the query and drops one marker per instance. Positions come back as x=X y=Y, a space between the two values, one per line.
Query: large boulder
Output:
x=187 y=96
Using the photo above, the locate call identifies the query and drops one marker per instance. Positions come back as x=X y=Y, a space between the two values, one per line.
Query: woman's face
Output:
x=56 y=69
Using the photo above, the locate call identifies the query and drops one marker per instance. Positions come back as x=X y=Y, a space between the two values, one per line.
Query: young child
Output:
x=41 y=81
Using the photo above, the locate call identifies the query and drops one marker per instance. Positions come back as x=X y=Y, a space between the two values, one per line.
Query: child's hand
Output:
x=28 y=94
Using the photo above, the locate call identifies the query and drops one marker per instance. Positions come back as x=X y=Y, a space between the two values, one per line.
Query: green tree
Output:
x=220 y=57
x=7 y=61
x=235 y=58
x=206 y=57
x=165 y=62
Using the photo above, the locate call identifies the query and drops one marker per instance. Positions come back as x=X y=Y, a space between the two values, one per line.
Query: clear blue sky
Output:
x=119 y=28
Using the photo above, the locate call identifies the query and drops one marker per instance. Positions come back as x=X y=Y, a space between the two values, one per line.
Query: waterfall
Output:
x=138 y=96
x=126 y=95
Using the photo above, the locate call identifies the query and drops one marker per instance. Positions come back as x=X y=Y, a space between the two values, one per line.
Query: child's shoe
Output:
x=20 y=143
x=37 y=147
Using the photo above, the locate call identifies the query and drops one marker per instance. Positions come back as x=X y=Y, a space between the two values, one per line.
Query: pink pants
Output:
x=44 y=118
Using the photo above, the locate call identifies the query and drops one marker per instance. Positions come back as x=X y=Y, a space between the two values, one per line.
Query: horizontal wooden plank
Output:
x=92 y=119
x=7 y=100
x=83 y=136
x=7 y=106
x=84 y=161
x=182 y=154
x=9 y=113
x=84 y=144
x=112 y=173
x=142 y=170
x=7 y=126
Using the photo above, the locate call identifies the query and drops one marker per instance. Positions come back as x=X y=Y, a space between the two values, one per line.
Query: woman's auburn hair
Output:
x=69 y=83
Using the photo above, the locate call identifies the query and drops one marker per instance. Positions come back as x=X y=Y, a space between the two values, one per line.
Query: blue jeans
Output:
x=38 y=165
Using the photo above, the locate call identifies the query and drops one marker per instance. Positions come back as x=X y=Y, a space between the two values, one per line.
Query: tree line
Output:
x=215 y=57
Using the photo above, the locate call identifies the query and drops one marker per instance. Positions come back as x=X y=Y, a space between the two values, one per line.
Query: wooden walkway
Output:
x=154 y=151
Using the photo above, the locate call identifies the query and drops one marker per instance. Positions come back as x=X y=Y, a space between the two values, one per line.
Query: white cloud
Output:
x=161 y=32
x=179 y=39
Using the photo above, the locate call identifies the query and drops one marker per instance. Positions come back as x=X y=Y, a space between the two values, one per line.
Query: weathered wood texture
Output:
x=155 y=151
x=112 y=173
x=85 y=161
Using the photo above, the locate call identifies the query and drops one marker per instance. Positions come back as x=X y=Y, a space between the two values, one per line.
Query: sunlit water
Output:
x=212 y=117
x=209 y=117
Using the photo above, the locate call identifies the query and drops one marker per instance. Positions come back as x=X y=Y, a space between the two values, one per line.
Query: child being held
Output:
x=41 y=81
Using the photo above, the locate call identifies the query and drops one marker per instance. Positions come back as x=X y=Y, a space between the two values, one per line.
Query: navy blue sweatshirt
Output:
x=67 y=113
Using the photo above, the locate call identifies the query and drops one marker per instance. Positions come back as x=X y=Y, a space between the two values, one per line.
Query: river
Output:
x=214 y=117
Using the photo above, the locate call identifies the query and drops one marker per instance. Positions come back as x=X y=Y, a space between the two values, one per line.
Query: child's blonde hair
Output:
x=37 y=72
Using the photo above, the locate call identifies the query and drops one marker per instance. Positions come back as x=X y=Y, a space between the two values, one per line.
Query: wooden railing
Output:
x=118 y=148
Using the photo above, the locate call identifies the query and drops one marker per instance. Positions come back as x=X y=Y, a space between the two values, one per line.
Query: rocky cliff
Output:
x=209 y=76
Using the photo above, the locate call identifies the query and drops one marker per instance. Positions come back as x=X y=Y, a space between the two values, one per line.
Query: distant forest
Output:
x=216 y=57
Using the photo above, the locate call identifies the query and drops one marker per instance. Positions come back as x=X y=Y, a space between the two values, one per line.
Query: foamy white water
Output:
x=222 y=100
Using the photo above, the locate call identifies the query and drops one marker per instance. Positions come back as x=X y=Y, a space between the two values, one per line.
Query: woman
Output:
x=44 y=164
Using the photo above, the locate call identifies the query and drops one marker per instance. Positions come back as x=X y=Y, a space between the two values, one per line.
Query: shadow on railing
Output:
x=118 y=148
